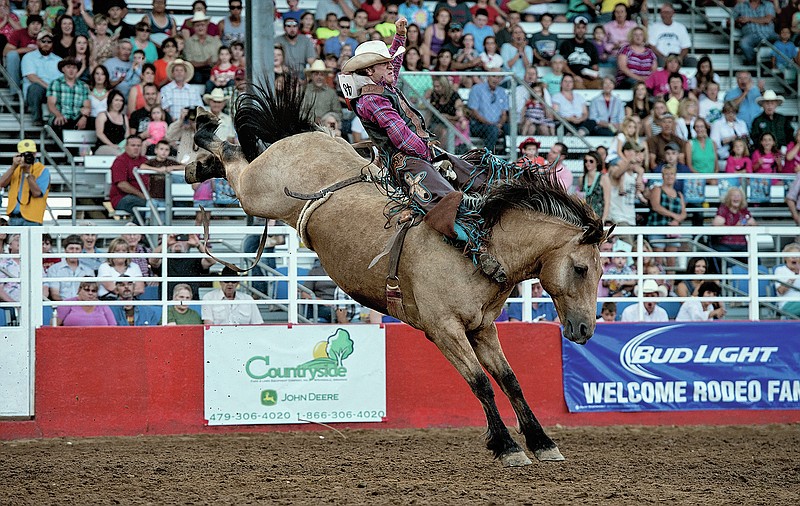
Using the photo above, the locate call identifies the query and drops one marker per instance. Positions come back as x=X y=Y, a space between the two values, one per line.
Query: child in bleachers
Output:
x=608 y=313
x=766 y=160
x=784 y=54
x=619 y=287
x=529 y=152
x=222 y=73
x=54 y=9
x=156 y=128
x=604 y=49
x=553 y=79
x=767 y=156
x=739 y=162
x=537 y=121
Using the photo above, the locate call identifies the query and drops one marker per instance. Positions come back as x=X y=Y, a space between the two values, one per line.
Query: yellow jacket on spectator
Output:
x=31 y=208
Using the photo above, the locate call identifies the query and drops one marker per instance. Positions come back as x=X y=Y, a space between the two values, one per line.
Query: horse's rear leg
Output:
x=457 y=350
x=490 y=354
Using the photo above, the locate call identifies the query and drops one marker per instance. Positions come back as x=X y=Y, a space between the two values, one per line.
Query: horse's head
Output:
x=570 y=274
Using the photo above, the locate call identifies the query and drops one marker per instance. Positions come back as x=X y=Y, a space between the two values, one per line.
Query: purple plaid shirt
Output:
x=378 y=109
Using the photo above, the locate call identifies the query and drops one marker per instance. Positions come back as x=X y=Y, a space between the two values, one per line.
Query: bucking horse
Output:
x=536 y=229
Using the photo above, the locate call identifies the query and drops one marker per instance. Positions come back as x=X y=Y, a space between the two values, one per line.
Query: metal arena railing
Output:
x=742 y=287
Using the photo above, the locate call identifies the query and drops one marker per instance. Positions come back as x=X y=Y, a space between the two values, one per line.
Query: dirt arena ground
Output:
x=615 y=465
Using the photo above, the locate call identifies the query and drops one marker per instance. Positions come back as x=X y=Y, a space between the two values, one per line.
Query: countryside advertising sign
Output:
x=645 y=367
x=298 y=374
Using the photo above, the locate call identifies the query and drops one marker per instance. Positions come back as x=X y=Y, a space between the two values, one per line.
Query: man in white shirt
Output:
x=696 y=310
x=710 y=106
x=229 y=314
x=652 y=311
x=670 y=37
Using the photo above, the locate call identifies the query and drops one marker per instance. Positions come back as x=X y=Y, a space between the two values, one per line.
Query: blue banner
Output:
x=649 y=367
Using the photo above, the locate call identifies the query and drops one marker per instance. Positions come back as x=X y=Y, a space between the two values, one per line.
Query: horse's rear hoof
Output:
x=516 y=459
x=549 y=455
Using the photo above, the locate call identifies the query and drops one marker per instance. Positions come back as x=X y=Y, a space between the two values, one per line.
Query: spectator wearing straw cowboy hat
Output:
x=320 y=98
x=771 y=122
x=201 y=49
x=216 y=101
x=177 y=95
x=28 y=183
x=652 y=311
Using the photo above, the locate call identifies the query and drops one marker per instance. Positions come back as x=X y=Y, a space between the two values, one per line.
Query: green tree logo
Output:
x=331 y=352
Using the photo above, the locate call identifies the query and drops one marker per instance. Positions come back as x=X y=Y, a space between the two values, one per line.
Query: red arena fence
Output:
x=130 y=381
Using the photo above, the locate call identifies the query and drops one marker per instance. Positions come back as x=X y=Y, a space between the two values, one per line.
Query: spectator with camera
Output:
x=28 y=183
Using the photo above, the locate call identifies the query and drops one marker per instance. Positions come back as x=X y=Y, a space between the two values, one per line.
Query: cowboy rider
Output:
x=398 y=131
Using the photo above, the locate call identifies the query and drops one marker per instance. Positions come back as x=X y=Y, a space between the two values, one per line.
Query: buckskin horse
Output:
x=537 y=230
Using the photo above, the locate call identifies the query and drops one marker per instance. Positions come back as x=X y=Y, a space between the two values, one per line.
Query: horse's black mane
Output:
x=264 y=116
x=541 y=192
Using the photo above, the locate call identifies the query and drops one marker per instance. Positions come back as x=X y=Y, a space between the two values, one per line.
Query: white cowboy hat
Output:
x=198 y=16
x=188 y=66
x=650 y=286
x=216 y=95
x=317 y=66
x=769 y=95
x=370 y=53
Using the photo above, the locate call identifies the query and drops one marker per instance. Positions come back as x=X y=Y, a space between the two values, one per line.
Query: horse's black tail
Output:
x=264 y=115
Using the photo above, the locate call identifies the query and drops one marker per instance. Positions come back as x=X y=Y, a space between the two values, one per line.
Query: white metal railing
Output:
x=764 y=245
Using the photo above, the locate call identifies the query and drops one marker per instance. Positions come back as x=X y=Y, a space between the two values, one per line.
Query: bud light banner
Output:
x=644 y=367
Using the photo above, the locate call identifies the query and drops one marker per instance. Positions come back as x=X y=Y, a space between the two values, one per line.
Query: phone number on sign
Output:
x=255 y=416
x=252 y=416
x=342 y=415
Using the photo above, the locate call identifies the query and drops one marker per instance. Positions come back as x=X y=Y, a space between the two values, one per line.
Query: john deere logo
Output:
x=328 y=357
x=269 y=397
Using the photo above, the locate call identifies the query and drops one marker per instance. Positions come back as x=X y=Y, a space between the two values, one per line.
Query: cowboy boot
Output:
x=442 y=217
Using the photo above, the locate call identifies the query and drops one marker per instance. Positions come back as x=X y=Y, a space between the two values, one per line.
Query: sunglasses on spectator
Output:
x=46 y=41
x=392 y=12
x=90 y=290
x=142 y=29
x=236 y=7
x=347 y=27
x=589 y=160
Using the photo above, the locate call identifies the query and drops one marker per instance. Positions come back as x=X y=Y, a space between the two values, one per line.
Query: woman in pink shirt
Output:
x=618 y=29
x=89 y=315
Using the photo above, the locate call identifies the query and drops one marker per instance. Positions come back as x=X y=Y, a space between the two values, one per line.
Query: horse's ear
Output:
x=608 y=233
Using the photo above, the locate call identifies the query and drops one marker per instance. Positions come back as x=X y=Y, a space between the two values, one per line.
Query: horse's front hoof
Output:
x=549 y=455
x=516 y=459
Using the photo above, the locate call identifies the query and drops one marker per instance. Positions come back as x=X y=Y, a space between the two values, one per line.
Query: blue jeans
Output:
x=488 y=132
x=19 y=221
x=128 y=202
x=14 y=67
x=749 y=43
x=35 y=97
